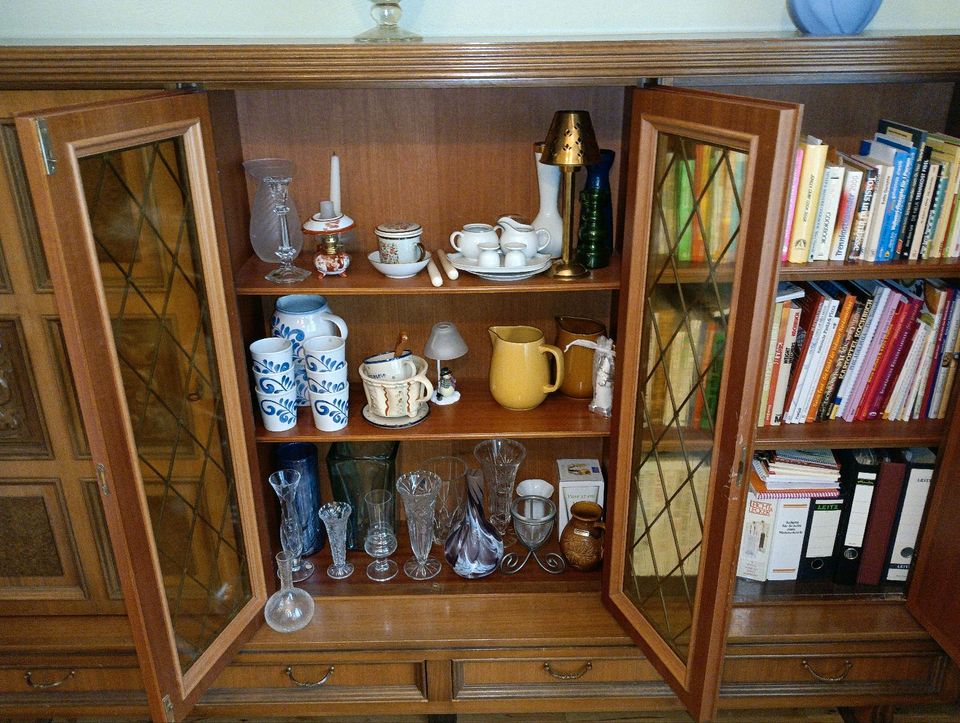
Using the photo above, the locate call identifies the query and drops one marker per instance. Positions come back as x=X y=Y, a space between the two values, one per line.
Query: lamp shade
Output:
x=570 y=140
x=444 y=343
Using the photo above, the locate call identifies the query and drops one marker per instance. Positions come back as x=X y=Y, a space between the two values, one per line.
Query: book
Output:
x=792 y=311
x=826 y=218
x=847 y=301
x=824 y=333
x=770 y=385
x=872 y=350
x=891 y=358
x=898 y=396
x=917 y=478
x=858 y=469
x=937 y=300
x=757 y=474
x=775 y=339
x=847 y=339
x=683 y=184
x=917 y=239
x=786 y=545
x=863 y=205
x=756 y=537
x=817 y=561
x=791 y=204
x=946 y=149
x=878 y=294
x=942 y=333
x=883 y=510
x=936 y=209
x=917 y=137
x=705 y=157
x=808 y=198
x=900 y=156
x=864 y=293
x=878 y=209
x=847 y=207
x=825 y=309
x=944 y=365
x=810 y=311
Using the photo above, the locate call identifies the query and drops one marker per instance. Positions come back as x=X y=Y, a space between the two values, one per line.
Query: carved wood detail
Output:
x=464 y=61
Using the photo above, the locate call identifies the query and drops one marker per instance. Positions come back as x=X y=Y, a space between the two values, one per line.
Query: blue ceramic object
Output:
x=302 y=456
x=832 y=17
x=275 y=405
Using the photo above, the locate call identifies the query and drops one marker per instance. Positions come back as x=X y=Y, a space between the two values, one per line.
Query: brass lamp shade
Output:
x=571 y=140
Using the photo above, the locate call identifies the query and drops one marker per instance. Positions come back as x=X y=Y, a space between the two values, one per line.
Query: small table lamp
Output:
x=570 y=143
x=444 y=343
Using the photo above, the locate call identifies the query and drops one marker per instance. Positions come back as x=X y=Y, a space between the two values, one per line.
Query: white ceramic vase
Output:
x=548 y=179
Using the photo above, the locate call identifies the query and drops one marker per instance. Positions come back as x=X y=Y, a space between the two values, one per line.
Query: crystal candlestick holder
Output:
x=286 y=252
x=533 y=518
x=418 y=490
x=386 y=15
x=335 y=516
x=285 y=483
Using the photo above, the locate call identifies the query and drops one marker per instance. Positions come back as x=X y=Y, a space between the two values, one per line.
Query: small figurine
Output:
x=447 y=387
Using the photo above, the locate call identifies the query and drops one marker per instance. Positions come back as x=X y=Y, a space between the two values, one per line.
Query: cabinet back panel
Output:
x=841 y=115
x=440 y=157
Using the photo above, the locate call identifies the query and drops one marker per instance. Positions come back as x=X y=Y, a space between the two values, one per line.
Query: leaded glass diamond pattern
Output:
x=694 y=228
x=141 y=214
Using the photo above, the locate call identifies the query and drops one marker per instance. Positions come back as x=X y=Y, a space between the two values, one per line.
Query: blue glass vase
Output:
x=595 y=233
x=303 y=457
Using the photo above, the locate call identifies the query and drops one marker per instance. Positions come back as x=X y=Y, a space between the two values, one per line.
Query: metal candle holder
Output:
x=533 y=518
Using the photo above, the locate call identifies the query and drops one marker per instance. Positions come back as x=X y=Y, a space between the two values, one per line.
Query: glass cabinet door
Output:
x=131 y=225
x=709 y=180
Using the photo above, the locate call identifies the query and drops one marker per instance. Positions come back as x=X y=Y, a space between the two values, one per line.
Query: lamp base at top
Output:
x=568 y=270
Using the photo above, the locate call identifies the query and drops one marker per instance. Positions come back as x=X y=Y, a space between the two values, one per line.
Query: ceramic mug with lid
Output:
x=399 y=242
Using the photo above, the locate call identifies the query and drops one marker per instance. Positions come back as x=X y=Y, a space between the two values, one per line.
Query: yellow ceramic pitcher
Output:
x=519 y=368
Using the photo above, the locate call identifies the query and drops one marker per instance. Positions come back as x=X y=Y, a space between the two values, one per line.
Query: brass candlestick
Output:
x=570 y=143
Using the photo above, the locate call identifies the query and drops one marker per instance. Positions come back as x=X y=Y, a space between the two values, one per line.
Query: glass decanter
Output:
x=286 y=252
x=335 y=516
x=381 y=542
x=418 y=490
x=386 y=15
x=285 y=483
x=500 y=459
x=289 y=608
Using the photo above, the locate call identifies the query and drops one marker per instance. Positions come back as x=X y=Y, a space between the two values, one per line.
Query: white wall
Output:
x=50 y=21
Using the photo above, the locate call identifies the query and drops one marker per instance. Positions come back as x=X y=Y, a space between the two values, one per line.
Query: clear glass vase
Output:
x=381 y=540
x=500 y=459
x=289 y=608
x=335 y=516
x=264 y=224
x=418 y=490
x=285 y=483
x=473 y=549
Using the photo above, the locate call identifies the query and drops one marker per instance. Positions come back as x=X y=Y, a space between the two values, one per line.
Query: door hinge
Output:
x=102 y=479
x=189 y=85
x=168 y=709
x=46 y=146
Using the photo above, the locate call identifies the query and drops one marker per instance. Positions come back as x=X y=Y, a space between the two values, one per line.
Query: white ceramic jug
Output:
x=534 y=240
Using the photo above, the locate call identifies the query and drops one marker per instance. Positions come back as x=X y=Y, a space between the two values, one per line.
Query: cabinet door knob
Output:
x=588 y=666
x=847 y=666
x=314 y=684
x=28 y=676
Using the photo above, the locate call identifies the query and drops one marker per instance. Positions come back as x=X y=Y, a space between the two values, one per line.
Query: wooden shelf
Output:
x=531 y=579
x=778 y=591
x=692 y=272
x=838 y=434
x=937 y=268
x=476 y=416
x=362 y=279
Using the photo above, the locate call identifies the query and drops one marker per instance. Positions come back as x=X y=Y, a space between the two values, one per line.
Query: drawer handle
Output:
x=584 y=669
x=28 y=676
x=314 y=684
x=847 y=667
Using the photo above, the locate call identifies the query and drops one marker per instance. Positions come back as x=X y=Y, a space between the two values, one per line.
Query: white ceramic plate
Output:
x=538 y=264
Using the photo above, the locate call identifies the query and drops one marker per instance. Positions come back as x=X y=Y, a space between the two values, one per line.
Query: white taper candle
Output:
x=335 y=183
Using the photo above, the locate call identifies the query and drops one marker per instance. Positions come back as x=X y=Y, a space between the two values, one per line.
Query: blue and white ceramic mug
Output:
x=389 y=367
x=278 y=411
x=272 y=365
x=330 y=411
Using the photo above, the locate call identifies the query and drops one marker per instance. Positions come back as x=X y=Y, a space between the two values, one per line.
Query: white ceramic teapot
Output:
x=534 y=240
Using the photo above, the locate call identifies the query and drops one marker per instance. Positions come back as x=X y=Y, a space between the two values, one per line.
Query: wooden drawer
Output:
x=905 y=672
x=91 y=684
x=302 y=677
x=620 y=674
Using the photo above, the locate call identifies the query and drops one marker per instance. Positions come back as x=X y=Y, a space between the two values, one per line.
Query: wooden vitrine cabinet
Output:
x=143 y=208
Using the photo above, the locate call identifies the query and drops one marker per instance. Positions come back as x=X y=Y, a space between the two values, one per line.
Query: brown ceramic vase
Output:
x=582 y=538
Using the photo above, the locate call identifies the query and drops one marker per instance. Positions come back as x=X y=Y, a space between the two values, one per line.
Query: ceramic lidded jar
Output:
x=582 y=538
x=399 y=242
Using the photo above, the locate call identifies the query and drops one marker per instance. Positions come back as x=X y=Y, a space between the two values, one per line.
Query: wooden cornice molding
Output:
x=481 y=62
